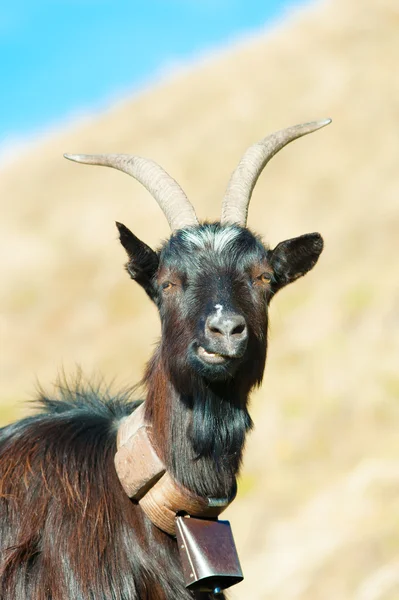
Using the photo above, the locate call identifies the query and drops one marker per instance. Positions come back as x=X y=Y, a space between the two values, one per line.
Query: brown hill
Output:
x=317 y=514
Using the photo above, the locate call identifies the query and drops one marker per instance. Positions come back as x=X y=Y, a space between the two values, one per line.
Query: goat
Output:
x=67 y=527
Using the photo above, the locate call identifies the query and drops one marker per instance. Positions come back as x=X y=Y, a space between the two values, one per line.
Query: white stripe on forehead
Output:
x=207 y=238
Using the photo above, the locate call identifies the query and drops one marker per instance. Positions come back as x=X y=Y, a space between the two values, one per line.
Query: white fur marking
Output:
x=219 y=309
x=207 y=238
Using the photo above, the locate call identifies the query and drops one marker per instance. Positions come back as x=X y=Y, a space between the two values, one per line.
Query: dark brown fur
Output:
x=67 y=528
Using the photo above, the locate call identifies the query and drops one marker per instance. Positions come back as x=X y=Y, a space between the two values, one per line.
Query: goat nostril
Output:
x=238 y=329
x=230 y=326
x=215 y=330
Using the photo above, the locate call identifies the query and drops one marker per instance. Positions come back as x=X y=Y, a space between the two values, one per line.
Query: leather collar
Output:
x=145 y=479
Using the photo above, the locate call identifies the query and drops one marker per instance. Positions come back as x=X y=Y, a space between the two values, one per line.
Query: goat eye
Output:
x=167 y=285
x=265 y=277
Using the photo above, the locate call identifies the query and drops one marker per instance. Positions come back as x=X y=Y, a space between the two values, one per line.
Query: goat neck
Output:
x=198 y=432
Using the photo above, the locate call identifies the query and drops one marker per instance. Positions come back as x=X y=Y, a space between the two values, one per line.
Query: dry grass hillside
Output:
x=317 y=517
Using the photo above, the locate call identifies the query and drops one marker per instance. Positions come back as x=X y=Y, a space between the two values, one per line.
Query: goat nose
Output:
x=228 y=326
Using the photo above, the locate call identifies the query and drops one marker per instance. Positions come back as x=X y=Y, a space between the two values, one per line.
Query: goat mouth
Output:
x=212 y=358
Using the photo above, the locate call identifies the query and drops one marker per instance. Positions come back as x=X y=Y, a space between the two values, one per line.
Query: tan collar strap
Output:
x=144 y=478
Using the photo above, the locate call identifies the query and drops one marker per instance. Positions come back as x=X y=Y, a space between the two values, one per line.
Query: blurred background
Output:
x=191 y=84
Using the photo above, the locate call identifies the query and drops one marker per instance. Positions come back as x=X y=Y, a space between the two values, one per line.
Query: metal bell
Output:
x=208 y=554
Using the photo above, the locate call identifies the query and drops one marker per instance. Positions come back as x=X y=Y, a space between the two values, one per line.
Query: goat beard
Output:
x=207 y=457
x=201 y=425
x=216 y=413
x=218 y=428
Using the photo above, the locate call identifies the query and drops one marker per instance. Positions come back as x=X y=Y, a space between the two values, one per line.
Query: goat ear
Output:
x=143 y=261
x=295 y=257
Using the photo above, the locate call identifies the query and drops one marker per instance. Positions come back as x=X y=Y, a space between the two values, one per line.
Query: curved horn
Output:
x=243 y=180
x=166 y=191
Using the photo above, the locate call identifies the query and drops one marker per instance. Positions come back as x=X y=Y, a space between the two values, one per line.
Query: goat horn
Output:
x=243 y=180
x=166 y=191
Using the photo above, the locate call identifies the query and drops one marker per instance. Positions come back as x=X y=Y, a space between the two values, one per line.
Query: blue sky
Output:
x=64 y=57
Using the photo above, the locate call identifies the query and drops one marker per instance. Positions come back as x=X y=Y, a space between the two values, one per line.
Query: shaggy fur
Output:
x=67 y=528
